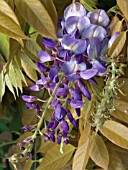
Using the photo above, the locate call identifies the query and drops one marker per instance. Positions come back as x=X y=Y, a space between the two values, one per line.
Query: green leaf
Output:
x=89 y=5
x=2 y=85
x=36 y=15
x=118 y=45
x=98 y=152
x=116 y=133
x=4 y=45
x=123 y=5
x=50 y=7
x=9 y=85
x=53 y=159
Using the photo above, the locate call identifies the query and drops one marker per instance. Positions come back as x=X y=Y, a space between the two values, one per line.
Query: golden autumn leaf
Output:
x=81 y=157
x=37 y=16
x=98 y=151
x=123 y=5
x=53 y=159
x=116 y=133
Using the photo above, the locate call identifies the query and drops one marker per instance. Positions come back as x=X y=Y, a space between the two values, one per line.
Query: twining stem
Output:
x=43 y=114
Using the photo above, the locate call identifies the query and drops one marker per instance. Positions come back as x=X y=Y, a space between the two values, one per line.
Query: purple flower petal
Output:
x=75 y=94
x=59 y=112
x=87 y=74
x=31 y=106
x=53 y=72
x=79 y=47
x=54 y=103
x=49 y=43
x=61 y=92
x=84 y=90
x=66 y=141
x=74 y=10
x=41 y=67
x=76 y=103
x=78 y=112
x=97 y=65
x=64 y=126
x=70 y=117
x=94 y=31
x=55 y=125
x=100 y=18
x=44 y=56
x=71 y=24
x=29 y=98
x=36 y=87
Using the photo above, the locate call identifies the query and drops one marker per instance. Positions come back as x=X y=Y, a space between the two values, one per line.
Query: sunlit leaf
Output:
x=99 y=152
x=81 y=156
x=121 y=110
x=53 y=159
x=6 y=10
x=9 y=85
x=85 y=135
x=116 y=133
x=27 y=60
x=12 y=77
x=28 y=165
x=117 y=27
x=31 y=49
x=123 y=5
x=29 y=117
x=9 y=24
x=36 y=15
x=45 y=146
x=118 y=45
x=115 y=161
x=4 y=45
x=123 y=153
x=50 y=7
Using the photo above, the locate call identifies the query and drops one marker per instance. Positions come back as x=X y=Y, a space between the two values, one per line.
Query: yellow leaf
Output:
x=123 y=5
x=29 y=117
x=9 y=24
x=54 y=160
x=36 y=15
x=85 y=135
x=118 y=45
x=81 y=156
x=98 y=151
x=121 y=110
x=45 y=146
x=114 y=21
x=28 y=165
x=116 y=133
x=117 y=27
x=2 y=85
x=115 y=162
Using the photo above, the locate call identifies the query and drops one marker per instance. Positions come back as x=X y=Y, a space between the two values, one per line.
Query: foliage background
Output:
x=23 y=23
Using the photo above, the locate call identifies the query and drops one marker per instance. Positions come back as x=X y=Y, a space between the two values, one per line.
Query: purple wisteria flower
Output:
x=80 y=56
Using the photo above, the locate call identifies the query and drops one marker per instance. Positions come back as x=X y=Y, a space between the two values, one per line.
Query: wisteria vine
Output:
x=66 y=66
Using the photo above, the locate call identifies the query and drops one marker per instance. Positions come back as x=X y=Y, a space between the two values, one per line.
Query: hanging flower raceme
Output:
x=79 y=57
